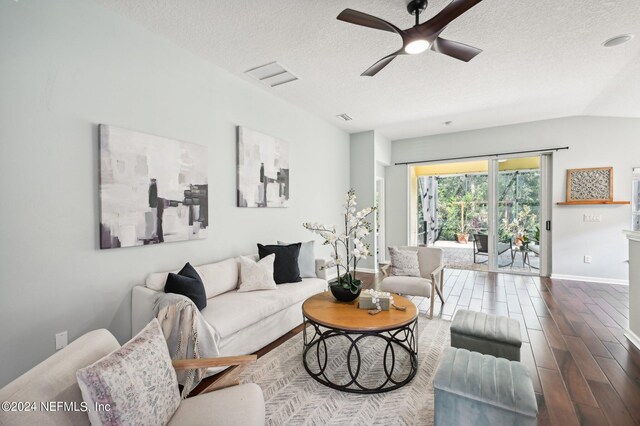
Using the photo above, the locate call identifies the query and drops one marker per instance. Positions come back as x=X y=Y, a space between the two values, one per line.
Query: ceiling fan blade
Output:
x=439 y=22
x=378 y=66
x=454 y=49
x=359 y=18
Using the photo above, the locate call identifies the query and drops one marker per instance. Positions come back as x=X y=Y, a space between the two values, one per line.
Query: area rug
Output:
x=292 y=397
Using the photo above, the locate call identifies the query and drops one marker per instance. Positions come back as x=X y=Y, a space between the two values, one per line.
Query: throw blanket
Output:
x=188 y=336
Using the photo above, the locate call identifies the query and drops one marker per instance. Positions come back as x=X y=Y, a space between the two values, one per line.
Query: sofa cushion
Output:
x=235 y=405
x=256 y=275
x=306 y=259
x=188 y=283
x=218 y=277
x=233 y=311
x=285 y=268
x=413 y=286
x=137 y=382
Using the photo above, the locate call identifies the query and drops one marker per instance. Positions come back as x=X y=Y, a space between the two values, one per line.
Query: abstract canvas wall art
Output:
x=263 y=170
x=152 y=189
x=594 y=184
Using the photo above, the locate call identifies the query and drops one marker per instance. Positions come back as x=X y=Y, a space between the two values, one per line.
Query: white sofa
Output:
x=245 y=322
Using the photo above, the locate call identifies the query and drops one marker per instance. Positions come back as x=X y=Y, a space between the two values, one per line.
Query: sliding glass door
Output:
x=486 y=215
x=517 y=207
x=453 y=210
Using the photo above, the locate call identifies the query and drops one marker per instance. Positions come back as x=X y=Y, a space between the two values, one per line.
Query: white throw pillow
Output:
x=257 y=275
x=136 y=383
x=219 y=277
x=157 y=280
x=404 y=262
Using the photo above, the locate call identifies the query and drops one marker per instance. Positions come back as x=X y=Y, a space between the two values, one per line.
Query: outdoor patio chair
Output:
x=481 y=247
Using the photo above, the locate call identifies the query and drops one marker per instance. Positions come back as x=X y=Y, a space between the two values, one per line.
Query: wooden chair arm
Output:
x=436 y=272
x=223 y=361
x=385 y=269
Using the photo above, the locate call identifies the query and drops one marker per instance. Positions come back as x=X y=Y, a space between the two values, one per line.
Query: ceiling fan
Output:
x=420 y=37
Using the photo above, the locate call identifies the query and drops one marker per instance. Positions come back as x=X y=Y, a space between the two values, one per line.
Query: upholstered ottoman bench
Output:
x=475 y=389
x=487 y=334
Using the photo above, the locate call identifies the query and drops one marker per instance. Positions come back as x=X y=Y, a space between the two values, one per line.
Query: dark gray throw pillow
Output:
x=285 y=267
x=188 y=283
x=306 y=259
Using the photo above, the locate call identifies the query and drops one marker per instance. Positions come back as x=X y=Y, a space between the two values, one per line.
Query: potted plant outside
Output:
x=462 y=234
x=348 y=247
x=519 y=227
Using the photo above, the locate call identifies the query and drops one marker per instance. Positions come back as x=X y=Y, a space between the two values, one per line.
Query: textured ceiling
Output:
x=541 y=59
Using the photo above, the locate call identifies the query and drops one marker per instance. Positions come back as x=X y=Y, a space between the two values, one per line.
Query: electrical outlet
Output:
x=61 y=340
x=587 y=259
x=592 y=218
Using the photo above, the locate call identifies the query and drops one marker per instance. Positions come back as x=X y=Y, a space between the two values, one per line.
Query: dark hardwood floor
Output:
x=584 y=370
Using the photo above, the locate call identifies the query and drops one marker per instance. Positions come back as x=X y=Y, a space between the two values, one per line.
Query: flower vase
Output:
x=343 y=294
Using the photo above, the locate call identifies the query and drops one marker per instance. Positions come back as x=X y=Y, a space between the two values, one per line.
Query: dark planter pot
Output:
x=344 y=295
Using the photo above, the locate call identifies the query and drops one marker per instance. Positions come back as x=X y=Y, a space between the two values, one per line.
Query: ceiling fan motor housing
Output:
x=416 y=6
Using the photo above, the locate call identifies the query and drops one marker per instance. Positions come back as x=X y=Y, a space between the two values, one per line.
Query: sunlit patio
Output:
x=460 y=256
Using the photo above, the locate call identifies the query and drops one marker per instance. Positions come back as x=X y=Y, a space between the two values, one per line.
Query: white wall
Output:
x=382 y=149
x=397 y=206
x=593 y=142
x=363 y=181
x=67 y=66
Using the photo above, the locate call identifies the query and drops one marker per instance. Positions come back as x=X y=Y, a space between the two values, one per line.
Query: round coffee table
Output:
x=325 y=319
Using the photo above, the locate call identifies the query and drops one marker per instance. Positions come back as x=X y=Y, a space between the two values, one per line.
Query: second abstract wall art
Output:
x=263 y=170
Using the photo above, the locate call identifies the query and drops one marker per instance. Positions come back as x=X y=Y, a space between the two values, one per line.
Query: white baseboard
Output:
x=589 y=279
x=633 y=338
x=367 y=270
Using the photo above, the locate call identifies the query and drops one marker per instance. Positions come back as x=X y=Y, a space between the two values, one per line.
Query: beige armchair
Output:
x=54 y=379
x=428 y=284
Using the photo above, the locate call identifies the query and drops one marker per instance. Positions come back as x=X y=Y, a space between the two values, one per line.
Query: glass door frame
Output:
x=544 y=214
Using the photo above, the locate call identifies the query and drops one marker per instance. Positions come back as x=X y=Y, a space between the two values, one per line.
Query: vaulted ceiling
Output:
x=541 y=59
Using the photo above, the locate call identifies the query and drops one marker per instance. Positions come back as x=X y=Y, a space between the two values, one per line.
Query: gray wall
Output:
x=69 y=65
x=363 y=181
x=593 y=142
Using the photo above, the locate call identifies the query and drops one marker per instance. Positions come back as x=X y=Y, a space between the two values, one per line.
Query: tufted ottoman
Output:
x=488 y=334
x=475 y=389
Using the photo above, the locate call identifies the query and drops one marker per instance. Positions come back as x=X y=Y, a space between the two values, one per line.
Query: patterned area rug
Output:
x=292 y=397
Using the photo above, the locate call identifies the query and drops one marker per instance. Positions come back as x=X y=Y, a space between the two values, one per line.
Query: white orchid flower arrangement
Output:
x=350 y=242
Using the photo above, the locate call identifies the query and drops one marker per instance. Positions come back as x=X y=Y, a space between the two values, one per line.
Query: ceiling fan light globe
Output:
x=417 y=46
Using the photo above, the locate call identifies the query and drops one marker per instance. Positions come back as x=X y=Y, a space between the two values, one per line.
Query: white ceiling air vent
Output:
x=272 y=74
x=345 y=117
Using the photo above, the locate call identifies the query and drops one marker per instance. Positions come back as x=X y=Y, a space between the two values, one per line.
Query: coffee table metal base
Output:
x=403 y=338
